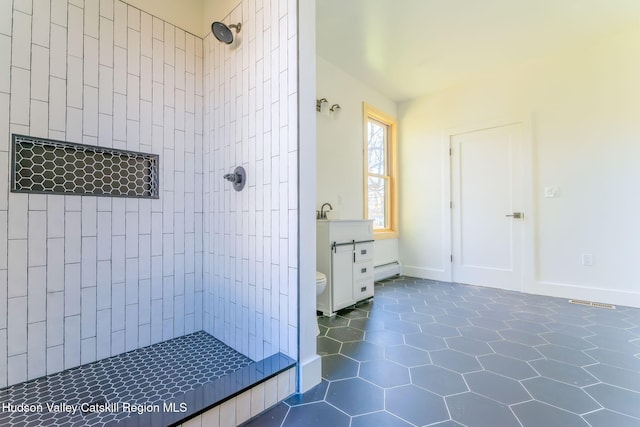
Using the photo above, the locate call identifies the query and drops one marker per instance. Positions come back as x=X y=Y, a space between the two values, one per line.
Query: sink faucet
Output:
x=323 y=214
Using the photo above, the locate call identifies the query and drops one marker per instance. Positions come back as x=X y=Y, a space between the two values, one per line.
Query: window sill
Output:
x=385 y=234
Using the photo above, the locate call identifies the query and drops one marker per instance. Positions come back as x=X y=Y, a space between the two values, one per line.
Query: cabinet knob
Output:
x=363 y=270
x=363 y=289
x=363 y=252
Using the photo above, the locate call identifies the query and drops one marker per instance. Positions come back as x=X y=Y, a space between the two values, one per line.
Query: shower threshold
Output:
x=159 y=385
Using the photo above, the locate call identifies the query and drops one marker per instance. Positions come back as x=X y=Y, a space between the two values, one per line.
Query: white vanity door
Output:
x=341 y=276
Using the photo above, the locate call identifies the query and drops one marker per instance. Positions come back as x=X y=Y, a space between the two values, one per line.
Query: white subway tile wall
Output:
x=81 y=278
x=84 y=278
x=250 y=237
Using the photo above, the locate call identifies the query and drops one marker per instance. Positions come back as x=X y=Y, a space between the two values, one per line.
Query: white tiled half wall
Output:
x=83 y=278
x=250 y=120
x=248 y=404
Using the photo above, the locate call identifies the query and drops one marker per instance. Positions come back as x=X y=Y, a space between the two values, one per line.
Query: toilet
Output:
x=321 y=284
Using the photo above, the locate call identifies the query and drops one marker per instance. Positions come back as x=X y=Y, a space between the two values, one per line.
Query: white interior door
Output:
x=486 y=187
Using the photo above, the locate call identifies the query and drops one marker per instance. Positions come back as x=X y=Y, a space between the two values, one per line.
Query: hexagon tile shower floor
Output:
x=141 y=377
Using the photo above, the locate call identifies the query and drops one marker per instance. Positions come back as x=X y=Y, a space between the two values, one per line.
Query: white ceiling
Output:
x=408 y=48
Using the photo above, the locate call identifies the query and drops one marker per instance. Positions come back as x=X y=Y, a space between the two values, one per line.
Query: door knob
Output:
x=516 y=215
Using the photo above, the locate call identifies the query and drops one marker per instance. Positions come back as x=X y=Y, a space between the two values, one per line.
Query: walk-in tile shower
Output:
x=85 y=278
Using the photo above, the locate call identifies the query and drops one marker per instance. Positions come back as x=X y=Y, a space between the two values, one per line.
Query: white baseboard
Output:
x=570 y=291
x=310 y=373
x=426 y=273
x=553 y=289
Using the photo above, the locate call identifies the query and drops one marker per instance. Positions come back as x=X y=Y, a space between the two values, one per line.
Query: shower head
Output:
x=223 y=33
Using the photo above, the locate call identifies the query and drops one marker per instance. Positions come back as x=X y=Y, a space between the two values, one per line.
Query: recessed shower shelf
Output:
x=48 y=166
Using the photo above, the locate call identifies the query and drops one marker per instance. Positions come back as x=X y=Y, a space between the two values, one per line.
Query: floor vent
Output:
x=592 y=304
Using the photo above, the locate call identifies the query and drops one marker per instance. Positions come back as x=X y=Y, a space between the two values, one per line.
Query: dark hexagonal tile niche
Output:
x=58 y=167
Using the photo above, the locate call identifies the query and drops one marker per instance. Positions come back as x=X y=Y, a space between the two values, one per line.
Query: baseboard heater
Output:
x=385 y=271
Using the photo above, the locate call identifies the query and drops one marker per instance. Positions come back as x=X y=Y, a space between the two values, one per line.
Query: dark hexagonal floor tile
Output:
x=367 y=324
x=401 y=326
x=507 y=366
x=495 y=315
x=560 y=395
x=345 y=334
x=479 y=333
x=497 y=387
x=489 y=323
x=606 y=418
x=337 y=366
x=362 y=351
x=616 y=376
x=503 y=307
x=613 y=342
x=522 y=337
x=325 y=346
x=616 y=399
x=316 y=394
x=571 y=319
x=384 y=337
x=455 y=361
x=406 y=355
x=609 y=319
x=353 y=313
x=425 y=341
x=416 y=405
x=439 y=330
x=563 y=372
x=565 y=354
x=515 y=350
x=565 y=340
x=418 y=318
x=430 y=309
x=536 y=414
x=533 y=317
x=384 y=373
x=272 y=417
x=465 y=309
x=449 y=423
x=474 y=410
x=614 y=358
x=333 y=322
x=323 y=330
x=379 y=313
x=398 y=308
x=525 y=325
x=451 y=320
x=319 y=414
x=355 y=396
x=469 y=346
x=438 y=380
x=381 y=418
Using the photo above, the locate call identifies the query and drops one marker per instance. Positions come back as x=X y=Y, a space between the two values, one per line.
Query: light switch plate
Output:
x=551 y=191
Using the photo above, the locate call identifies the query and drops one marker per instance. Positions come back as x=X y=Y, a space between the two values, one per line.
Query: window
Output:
x=380 y=190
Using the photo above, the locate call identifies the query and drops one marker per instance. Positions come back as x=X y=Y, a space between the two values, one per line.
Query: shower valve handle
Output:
x=233 y=177
x=238 y=178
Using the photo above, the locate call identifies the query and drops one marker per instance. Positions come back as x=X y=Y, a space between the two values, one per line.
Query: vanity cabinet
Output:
x=345 y=256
